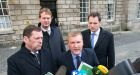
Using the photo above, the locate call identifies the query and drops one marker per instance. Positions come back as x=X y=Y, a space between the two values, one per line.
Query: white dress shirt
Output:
x=48 y=29
x=96 y=35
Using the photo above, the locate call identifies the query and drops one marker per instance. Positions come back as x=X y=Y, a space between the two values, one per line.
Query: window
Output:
x=111 y=10
x=5 y=23
x=138 y=14
x=84 y=10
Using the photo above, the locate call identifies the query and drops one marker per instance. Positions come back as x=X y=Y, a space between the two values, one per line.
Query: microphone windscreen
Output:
x=100 y=70
x=61 y=71
x=103 y=69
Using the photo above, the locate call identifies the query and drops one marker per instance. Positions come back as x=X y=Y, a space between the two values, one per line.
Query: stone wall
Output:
x=133 y=21
x=101 y=7
x=68 y=15
x=23 y=13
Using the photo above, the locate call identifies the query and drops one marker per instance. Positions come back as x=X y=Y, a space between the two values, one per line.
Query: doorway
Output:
x=51 y=4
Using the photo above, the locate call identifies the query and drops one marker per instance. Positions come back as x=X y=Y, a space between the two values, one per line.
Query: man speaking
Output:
x=77 y=54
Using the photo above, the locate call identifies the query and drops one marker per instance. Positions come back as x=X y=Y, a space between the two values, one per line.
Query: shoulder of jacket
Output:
x=106 y=31
x=88 y=50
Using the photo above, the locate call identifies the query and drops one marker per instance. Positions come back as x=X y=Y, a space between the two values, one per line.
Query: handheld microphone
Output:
x=61 y=71
x=100 y=70
x=123 y=68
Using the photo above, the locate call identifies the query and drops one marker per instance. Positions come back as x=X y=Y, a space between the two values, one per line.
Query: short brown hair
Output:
x=73 y=34
x=46 y=10
x=95 y=14
x=29 y=29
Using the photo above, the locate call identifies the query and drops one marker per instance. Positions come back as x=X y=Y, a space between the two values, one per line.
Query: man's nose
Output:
x=75 y=45
x=40 y=40
x=46 y=19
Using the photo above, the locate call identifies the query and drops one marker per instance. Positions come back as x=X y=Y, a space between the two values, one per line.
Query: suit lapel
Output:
x=87 y=36
x=84 y=56
x=28 y=57
x=70 y=62
x=52 y=32
x=43 y=60
x=100 y=38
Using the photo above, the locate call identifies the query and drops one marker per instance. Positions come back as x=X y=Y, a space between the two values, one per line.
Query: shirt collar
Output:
x=74 y=56
x=34 y=52
x=48 y=29
x=97 y=32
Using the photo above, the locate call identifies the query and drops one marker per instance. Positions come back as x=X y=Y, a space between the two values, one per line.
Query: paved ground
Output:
x=127 y=46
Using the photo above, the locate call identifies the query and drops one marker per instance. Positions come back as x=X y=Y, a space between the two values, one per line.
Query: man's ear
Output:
x=25 y=38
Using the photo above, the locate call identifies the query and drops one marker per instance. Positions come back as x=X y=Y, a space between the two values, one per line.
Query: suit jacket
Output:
x=104 y=47
x=54 y=42
x=88 y=56
x=23 y=63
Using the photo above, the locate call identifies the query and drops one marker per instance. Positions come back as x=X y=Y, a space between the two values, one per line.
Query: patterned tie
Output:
x=37 y=58
x=92 y=39
x=78 y=61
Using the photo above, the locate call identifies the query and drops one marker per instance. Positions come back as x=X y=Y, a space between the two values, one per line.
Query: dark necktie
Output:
x=37 y=58
x=92 y=40
x=78 y=61
x=47 y=34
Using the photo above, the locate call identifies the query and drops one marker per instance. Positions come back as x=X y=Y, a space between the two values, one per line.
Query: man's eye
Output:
x=78 y=42
x=94 y=23
x=36 y=38
x=47 y=18
x=90 y=23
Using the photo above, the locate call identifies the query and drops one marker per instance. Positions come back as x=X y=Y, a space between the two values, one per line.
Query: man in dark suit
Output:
x=102 y=41
x=31 y=59
x=52 y=37
x=76 y=50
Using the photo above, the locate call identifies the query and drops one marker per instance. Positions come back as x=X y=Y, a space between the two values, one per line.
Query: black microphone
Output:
x=123 y=68
x=61 y=71
x=136 y=65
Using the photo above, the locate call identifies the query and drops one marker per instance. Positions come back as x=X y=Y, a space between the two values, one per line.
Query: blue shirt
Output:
x=74 y=59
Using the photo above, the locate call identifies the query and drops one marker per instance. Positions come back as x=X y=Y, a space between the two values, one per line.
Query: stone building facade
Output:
x=22 y=13
x=117 y=15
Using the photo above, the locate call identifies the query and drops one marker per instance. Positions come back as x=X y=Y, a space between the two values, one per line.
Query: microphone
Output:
x=136 y=64
x=86 y=69
x=100 y=70
x=123 y=68
x=61 y=71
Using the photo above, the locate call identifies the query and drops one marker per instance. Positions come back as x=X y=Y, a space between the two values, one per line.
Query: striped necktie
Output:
x=37 y=58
